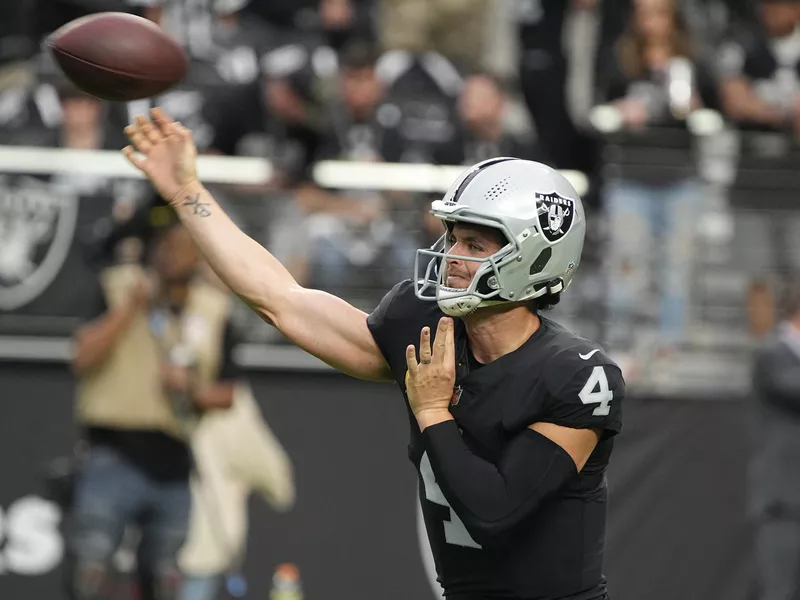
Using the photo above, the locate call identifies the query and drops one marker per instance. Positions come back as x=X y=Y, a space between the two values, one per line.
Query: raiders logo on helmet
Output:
x=556 y=214
x=37 y=226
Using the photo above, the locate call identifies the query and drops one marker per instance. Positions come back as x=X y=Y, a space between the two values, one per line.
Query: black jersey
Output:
x=556 y=377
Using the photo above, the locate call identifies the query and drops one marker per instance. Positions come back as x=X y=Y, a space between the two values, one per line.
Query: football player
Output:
x=512 y=417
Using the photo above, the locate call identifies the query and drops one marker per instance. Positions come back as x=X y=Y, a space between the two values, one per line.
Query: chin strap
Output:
x=460 y=306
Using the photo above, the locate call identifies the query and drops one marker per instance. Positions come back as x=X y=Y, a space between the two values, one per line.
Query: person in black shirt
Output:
x=512 y=418
x=484 y=135
x=353 y=242
x=158 y=354
x=759 y=70
x=653 y=208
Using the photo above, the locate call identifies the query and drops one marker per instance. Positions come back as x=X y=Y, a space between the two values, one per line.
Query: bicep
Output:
x=578 y=443
x=334 y=331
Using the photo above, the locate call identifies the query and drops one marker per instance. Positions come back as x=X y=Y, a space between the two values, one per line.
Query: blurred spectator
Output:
x=759 y=70
x=284 y=14
x=335 y=21
x=156 y=357
x=774 y=482
x=102 y=200
x=543 y=76
x=280 y=116
x=421 y=94
x=349 y=237
x=655 y=50
x=454 y=28
x=483 y=134
x=49 y=15
x=235 y=453
x=482 y=109
x=760 y=87
x=17 y=35
x=225 y=46
x=343 y=20
x=217 y=32
x=30 y=106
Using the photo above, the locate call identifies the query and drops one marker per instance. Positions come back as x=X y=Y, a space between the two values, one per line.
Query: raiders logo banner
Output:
x=556 y=215
x=37 y=226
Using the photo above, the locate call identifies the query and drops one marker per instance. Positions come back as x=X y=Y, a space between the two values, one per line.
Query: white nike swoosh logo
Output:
x=589 y=355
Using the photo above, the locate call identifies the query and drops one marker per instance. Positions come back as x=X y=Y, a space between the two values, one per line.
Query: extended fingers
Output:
x=130 y=154
x=150 y=131
x=450 y=343
x=138 y=139
x=163 y=122
x=441 y=340
x=411 y=361
x=425 y=346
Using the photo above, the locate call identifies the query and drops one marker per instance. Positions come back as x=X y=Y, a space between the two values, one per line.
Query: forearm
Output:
x=491 y=499
x=243 y=264
x=319 y=323
x=94 y=341
x=315 y=322
x=755 y=111
x=743 y=106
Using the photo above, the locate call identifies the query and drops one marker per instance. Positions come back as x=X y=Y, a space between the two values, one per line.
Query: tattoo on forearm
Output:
x=200 y=208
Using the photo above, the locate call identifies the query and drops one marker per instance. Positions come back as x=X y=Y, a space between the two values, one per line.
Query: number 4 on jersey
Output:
x=455 y=532
x=596 y=391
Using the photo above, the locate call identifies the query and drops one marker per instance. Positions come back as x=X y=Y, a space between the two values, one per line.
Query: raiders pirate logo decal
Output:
x=556 y=215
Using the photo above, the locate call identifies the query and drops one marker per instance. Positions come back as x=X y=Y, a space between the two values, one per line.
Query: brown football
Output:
x=117 y=56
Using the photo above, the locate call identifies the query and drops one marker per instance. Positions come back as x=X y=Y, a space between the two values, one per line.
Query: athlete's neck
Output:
x=498 y=330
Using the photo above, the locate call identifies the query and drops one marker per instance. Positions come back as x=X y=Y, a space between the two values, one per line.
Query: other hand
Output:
x=429 y=382
x=141 y=292
x=634 y=114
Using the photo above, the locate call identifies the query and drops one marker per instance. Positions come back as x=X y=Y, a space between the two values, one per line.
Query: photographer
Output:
x=155 y=359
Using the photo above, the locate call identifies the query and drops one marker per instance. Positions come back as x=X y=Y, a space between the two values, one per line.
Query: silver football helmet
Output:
x=539 y=214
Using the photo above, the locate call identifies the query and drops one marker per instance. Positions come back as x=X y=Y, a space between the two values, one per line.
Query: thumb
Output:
x=136 y=161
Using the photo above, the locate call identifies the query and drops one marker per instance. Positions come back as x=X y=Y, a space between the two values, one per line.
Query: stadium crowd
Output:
x=683 y=117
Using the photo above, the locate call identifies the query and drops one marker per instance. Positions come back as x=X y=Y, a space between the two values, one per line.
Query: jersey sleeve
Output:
x=397 y=322
x=588 y=397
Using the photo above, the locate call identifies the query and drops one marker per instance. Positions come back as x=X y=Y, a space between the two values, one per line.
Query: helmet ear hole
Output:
x=484 y=286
